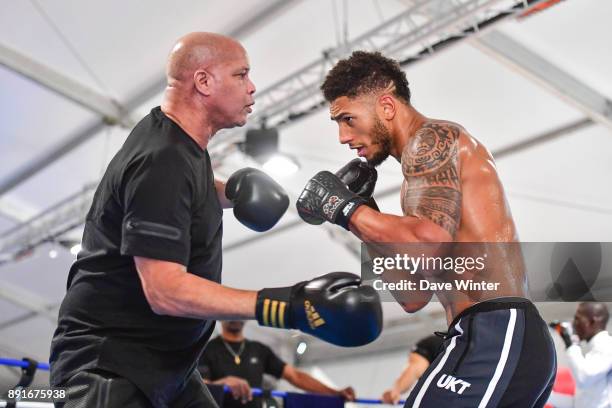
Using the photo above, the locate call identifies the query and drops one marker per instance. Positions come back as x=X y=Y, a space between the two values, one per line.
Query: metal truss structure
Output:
x=46 y=226
x=109 y=111
x=412 y=35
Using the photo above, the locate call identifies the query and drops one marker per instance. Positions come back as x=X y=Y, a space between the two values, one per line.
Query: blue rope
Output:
x=21 y=363
x=255 y=391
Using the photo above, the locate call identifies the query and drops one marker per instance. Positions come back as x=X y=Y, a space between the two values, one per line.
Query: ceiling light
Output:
x=281 y=165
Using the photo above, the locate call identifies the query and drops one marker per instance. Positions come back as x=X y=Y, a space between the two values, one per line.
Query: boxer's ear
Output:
x=386 y=107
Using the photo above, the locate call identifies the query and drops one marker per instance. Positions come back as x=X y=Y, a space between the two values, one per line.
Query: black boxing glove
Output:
x=563 y=330
x=259 y=201
x=360 y=177
x=333 y=307
x=327 y=198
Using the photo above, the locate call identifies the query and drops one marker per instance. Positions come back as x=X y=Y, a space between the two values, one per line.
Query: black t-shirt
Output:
x=429 y=347
x=255 y=360
x=157 y=199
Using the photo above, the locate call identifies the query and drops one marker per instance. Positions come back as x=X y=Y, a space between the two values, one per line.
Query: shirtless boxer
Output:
x=498 y=351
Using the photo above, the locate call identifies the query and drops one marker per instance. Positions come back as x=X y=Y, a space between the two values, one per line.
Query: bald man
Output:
x=592 y=370
x=145 y=289
x=116 y=337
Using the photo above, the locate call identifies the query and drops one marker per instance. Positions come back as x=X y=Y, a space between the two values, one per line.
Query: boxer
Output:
x=498 y=351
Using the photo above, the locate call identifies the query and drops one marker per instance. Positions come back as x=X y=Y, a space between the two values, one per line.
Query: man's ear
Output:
x=203 y=81
x=386 y=107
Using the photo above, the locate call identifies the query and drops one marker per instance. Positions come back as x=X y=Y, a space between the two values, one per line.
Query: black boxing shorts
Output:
x=497 y=353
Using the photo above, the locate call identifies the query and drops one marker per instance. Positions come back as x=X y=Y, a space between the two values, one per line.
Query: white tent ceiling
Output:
x=558 y=190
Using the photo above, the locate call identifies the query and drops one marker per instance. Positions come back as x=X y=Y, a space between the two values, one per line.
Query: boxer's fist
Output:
x=259 y=201
x=333 y=307
x=327 y=198
x=359 y=177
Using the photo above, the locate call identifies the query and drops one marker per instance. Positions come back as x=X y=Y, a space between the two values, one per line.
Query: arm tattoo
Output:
x=430 y=167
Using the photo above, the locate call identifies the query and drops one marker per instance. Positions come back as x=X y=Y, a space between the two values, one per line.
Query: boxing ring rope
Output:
x=257 y=392
x=23 y=364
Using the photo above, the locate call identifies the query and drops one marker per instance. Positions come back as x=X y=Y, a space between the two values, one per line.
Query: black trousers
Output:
x=102 y=389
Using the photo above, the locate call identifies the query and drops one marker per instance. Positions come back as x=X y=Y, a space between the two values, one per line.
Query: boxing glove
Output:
x=360 y=177
x=259 y=201
x=327 y=198
x=564 y=330
x=333 y=307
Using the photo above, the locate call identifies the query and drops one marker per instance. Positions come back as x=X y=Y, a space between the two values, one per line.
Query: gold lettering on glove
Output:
x=313 y=317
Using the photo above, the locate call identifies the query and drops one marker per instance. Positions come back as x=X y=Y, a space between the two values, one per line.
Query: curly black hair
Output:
x=365 y=72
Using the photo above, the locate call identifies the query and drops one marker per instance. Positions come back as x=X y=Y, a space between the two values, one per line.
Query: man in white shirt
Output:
x=592 y=370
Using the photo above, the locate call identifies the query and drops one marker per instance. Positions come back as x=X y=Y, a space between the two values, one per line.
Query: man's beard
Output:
x=382 y=138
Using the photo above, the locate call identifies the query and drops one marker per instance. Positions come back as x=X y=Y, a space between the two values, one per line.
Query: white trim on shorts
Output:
x=503 y=358
x=435 y=371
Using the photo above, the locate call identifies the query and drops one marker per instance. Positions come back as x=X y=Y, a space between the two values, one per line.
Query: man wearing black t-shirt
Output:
x=422 y=355
x=232 y=360
x=145 y=290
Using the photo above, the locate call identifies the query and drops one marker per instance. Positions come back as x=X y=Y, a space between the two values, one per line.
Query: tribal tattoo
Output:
x=430 y=165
